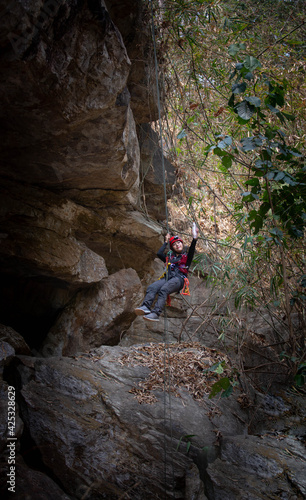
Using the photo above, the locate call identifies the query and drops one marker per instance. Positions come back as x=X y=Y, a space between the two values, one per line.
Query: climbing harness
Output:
x=185 y=290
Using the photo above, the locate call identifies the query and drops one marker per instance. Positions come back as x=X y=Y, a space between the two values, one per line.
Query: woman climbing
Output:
x=177 y=262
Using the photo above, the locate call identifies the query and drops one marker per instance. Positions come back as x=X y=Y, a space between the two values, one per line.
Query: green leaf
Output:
x=227 y=141
x=191 y=119
x=279 y=176
x=299 y=379
x=219 y=152
x=257 y=223
x=252 y=182
x=216 y=367
x=273 y=109
x=253 y=100
x=264 y=209
x=182 y=134
x=249 y=76
x=270 y=175
x=296 y=153
x=245 y=110
x=275 y=231
x=288 y=116
x=231 y=102
x=251 y=63
x=239 y=88
x=227 y=161
x=227 y=392
x=222 y=384
x=219 y=369
x=187 y=436
x=248 y=144
x=234 y=48
x=241 y=121
x=289 y=180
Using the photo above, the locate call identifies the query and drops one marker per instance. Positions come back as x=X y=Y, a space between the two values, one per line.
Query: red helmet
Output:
x=174 y=239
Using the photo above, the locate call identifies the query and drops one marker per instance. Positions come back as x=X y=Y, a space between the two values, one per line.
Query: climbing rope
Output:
x=167 y=381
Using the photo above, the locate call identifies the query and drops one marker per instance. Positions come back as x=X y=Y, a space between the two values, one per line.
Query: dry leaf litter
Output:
x=174 y=366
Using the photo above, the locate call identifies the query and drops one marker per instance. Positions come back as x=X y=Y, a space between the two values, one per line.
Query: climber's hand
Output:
x=195 y=231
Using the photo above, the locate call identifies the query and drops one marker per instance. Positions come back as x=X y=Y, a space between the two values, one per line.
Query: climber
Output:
x=177 y=262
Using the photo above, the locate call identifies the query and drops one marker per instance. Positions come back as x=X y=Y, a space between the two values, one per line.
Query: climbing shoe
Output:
x=140 y=311
x=151 y=317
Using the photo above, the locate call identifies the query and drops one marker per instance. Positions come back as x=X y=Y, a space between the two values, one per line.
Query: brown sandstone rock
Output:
x=38 y=237
x=153 y=166
x=133 y=19
x=95 y=316
x=69 y=151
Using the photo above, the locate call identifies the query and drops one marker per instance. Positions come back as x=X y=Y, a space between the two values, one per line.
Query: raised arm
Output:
x=191 y=250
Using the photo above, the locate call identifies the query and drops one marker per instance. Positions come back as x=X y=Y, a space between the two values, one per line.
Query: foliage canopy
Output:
x=234 y=125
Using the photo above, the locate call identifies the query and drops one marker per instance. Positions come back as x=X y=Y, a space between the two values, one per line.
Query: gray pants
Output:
x=162 y=288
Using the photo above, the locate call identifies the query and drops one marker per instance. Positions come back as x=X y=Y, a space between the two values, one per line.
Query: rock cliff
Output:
x=78 y=89
x=88 y=397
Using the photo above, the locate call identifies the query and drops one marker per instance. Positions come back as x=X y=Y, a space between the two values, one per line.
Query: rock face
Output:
x=105 y=426
x=152 y=172
x=76 y=85
x=96 y=316
x=84 y=410
x=279 y=461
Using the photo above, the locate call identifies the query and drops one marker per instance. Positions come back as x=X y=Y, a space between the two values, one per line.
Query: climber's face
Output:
x=177 y=246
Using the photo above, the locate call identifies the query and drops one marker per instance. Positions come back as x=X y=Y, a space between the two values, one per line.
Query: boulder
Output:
x=31 y=483
x=65 y=112
x=256 y=467
x=125 y=238
x=14 y=339
x=11 y=426
x=38 y=239
x=95 y=316
x=68 y=124
x=104 y=424
x=7 y=353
